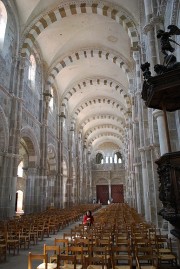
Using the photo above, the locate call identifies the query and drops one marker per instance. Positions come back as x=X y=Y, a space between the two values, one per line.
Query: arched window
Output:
x=51 y=103
x=99 y=158
x=117 y=158
x=32 y=69
x=107 y=159
x=20 y=170
x=3 y=22
x=110 y=159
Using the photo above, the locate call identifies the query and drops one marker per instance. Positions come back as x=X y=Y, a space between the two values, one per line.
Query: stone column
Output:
x=79 y=167
x=71 y=164
x=59 y=179
x=89 y=176
x=4 y=199
x=137 y=183
x=158 y=114
x=84 y=185
x=147 y=210
x=155 y=154
x=32 y=191
x=42 y=182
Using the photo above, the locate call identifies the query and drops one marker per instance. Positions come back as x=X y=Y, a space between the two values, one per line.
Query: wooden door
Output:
x=102 y=194
x=117 y=193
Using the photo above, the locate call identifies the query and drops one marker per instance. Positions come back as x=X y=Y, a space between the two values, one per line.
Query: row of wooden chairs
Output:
x=21 y=232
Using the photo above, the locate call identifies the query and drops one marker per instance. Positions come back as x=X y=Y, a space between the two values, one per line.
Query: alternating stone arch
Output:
x=104 y=126
x=90 y=53
x=32 y=144
x=99 y=100
x=107 y=134
x=100 y=116
x=112 y=84
x=104 y=139
x=81 y=7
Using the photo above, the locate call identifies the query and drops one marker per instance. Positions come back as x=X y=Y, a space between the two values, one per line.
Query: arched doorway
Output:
x=19 y=202
x=21 y=177
x=28 y=181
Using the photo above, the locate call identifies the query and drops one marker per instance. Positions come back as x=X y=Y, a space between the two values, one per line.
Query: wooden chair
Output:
x=91 y=262
x=42 y=257
x=24 y=239
x=83 y=242
x=121 y=262
x=12 y=242
x=124 y=242
x=66 y=261
x=47 y=265
x=63 y=243
x=164 y=251
x=120 y=250
x=3 y=251
x=146 y=262
x=78 y=252
x=102 y=252
x=52 y=252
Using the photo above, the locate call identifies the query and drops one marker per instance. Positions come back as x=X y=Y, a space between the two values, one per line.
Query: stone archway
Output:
x=29 y=182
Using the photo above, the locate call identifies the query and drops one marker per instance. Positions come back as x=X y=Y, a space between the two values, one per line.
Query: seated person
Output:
x=88 y=218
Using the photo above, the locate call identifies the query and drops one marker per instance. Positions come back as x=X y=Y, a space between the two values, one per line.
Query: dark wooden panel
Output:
x=117 y=193
x=102 y=193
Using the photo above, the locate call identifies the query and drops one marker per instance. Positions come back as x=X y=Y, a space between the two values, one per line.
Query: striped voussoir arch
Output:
x=101 y=140
x=32 y=145
x=112 y=84
x=89 y=54
x=102 y=126
x=112 y=117
x=108 y=134
x=79 y=7
x=101 y=100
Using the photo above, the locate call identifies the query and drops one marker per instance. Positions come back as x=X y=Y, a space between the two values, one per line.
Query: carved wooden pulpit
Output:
x=163 y=92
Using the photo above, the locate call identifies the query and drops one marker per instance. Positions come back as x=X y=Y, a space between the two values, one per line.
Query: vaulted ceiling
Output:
x=87 y=47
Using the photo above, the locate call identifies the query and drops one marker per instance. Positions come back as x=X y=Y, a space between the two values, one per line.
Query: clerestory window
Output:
x=3 y=23
x=32 y=70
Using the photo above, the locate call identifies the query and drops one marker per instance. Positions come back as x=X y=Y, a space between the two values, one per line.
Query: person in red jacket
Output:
x=88 y=218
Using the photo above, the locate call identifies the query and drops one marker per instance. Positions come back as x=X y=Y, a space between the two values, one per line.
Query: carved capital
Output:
x=157 y=113
x=156 y=20
x=148 y=27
